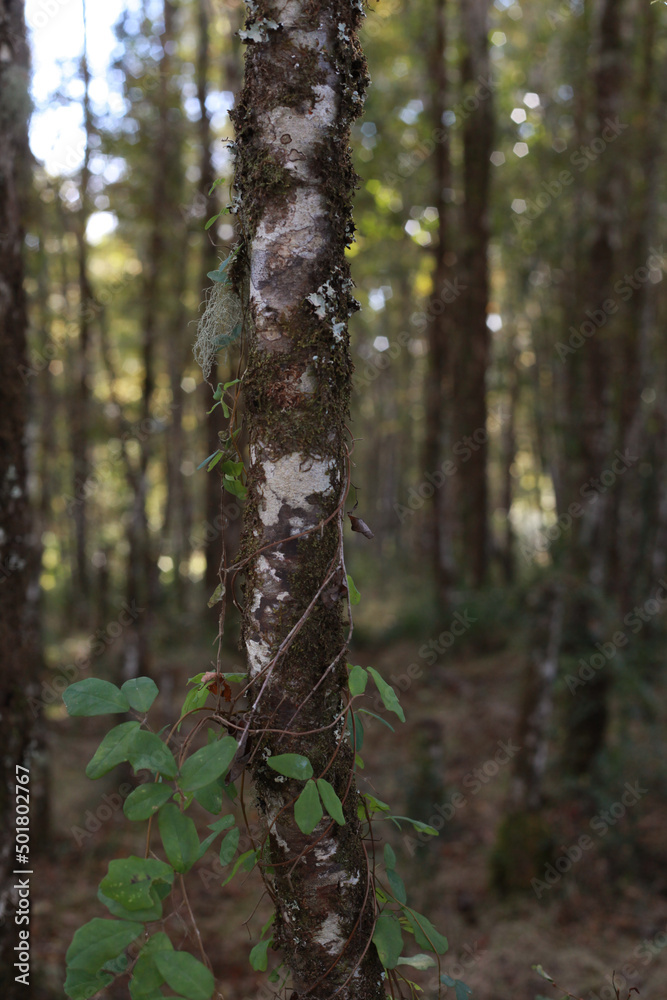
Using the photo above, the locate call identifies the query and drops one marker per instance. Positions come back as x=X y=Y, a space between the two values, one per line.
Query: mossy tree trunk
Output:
x=19 y=662
x=305 y=77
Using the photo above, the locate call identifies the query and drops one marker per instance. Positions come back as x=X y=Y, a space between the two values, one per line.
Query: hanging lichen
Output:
x=221 y=323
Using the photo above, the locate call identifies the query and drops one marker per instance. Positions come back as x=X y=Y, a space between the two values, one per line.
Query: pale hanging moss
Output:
x=220 y=324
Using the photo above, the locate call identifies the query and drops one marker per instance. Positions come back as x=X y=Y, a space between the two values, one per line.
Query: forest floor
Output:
x=608 y=912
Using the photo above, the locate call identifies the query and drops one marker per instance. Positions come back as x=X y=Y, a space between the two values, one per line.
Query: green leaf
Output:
x=147 y=751
x=388 y=939
x=184 y=973
x=389 y=857
x=356 y=732
x=217 y=595
x=233 y=469
x=214 y=185
x=152 y=912
x=235 y=487
x=292 y=765
x=353 y=593
x=357 y=680
x=540 y=971
x=113 y=749
x=247 y=860
x=210 y=797
x=141 y=692
x=100 y=941
x=179 y=836
x=379 y=718
x=196 y=698
x=212 y=455
x=259 y=958
x=207 y=764
x=425 y=933
x=397 y=886
x=213 y=219
x=308 y=808
x=80 y=984
x=387 y=694
x=145 y=800
x=462 y=991
x=218 y=276
x=332 y=803
x=375 y=805
x=129 y=881
x=229 y=845
x=214 y=461
x=94 y=697
x=416 y=824
x=418 y=961
x=217 y=827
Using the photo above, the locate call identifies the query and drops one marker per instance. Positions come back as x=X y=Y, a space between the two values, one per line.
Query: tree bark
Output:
x=19 y=665
x=438 y=417
x=304 y=84
x=472 y=346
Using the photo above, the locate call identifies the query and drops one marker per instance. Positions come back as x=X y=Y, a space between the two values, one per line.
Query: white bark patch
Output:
x=288 y=483
x=330 y=935
x=259 y=654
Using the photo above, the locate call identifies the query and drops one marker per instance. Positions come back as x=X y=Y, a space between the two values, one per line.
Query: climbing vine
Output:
x=200 y=758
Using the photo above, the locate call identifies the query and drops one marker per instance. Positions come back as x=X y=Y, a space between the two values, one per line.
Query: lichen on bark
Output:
x=305 y=78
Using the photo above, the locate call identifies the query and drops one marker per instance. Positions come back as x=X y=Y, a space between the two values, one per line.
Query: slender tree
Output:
x=19 y=662
x=305 y=78
x=472 y=338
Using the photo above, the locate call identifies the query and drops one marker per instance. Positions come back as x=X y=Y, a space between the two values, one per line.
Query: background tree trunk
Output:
x=19 y=662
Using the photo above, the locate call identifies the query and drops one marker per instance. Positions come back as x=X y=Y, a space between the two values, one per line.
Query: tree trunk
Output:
x=304 y=84
x=438 y=417
x=19 y=665
x=472 y=347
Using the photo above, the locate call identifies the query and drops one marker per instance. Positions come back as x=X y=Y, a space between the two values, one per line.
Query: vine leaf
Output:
x=308 y=808
x=80 y=984
x=331 y=802
x=145 y=800
x=418 y=961
x=93 y=696
x=460 y=989
x=114 y=749
x=357 y=680
x=186 y=974
x=355 y=596
x=425 y=933
x=388 y=939
x=100 y=941
x=292 y=765
x=141 y=692
x=207 y=764
x=387 y=693
x=229 y=845
x=179 y=836
x=259 y=958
